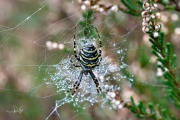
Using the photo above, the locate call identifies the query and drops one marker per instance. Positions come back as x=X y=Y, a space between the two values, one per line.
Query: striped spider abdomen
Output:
x=89 y=57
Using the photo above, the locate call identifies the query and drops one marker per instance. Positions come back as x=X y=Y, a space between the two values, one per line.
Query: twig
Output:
x=176 y=5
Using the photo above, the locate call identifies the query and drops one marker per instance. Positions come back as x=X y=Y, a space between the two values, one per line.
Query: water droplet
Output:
x=119 y=51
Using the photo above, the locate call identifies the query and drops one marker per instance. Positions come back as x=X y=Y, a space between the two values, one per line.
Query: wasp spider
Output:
x=88 y=57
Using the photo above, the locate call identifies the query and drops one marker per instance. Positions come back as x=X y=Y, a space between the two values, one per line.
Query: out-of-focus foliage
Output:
x=24 y=59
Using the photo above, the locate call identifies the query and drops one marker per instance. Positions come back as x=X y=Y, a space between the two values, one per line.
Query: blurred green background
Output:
x=24 y=58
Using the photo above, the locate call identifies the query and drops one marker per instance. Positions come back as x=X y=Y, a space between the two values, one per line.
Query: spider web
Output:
x=54 y=72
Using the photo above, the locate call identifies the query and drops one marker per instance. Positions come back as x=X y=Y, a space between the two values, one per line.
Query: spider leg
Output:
x=99 y=61
x=74 y=64
x=95 y=81
x=100 y=42
x=75 y=52
x=77 y=83
x=100 y=45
